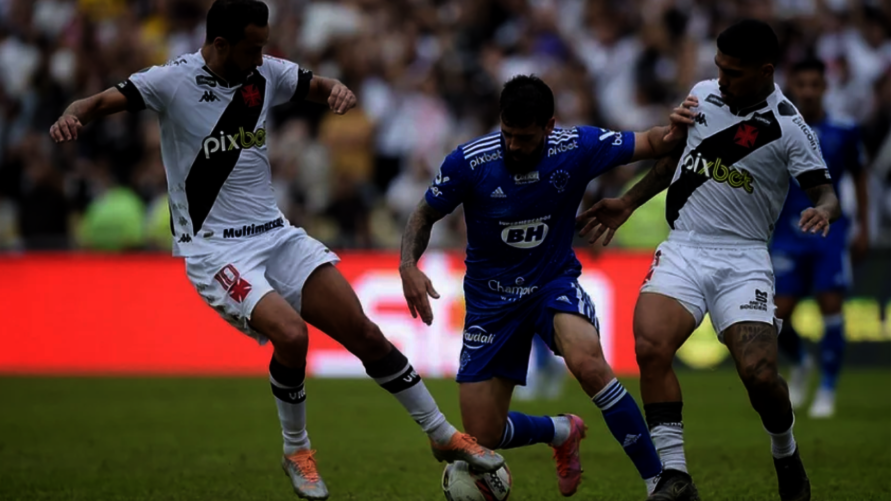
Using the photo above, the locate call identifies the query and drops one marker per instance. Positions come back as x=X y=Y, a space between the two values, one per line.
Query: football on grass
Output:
x=460 y=483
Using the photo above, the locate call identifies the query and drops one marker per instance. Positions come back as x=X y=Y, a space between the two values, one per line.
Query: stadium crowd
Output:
x=427 y=74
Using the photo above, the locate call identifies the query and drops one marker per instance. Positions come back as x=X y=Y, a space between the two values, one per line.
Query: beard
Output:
x=524 y=163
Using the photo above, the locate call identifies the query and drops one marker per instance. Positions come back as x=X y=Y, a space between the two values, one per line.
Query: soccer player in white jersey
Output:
x=744 y=141
x=265 y=277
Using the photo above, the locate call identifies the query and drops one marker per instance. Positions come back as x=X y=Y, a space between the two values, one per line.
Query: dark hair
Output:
x=809 y=64
x=526 y=99
x=229 y=18
x=750 y=41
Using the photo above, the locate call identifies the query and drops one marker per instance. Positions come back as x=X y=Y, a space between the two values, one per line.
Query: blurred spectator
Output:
x=427 y=73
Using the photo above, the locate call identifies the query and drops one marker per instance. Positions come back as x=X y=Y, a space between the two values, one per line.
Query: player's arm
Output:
x=415 y=239
x=338 y=96
x=826 y=209
x=805 y=163
x=608 y=214
x=661 y=140
x=84 y=111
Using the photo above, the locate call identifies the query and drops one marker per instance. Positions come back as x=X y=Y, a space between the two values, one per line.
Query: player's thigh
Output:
x=578 y=340
x=330 y=304
x=484 y=408
x=670 y=306
x=742 y=288
x=661 y=325
x=793 y=272
x=232 y=282
x=302 y=270
x=832 y=279
x=496 y=344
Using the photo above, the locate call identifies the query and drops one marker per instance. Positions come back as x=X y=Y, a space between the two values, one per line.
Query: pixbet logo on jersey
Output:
x=735 y=178
x=525 y=234
x=228 y=142
x=485 y=158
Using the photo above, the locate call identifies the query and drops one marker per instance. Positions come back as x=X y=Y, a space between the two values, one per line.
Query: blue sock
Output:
x=522 y=429
x=626 y=423
x=832 y=350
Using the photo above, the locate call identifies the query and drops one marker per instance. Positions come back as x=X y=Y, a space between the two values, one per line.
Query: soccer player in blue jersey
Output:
x=521 y=188
x=807 y=264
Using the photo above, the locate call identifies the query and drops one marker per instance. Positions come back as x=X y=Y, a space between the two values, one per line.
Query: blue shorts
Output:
x=497 y=341
x=804 y=270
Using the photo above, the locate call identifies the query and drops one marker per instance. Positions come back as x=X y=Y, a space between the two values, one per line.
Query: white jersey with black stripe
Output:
x=213 y=145
x=734 y=174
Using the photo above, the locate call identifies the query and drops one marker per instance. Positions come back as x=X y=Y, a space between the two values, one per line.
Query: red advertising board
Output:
x=138 y=314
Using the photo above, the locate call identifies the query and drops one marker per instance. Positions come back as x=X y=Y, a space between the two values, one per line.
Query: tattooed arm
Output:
x=415 y=284
x=608 y=214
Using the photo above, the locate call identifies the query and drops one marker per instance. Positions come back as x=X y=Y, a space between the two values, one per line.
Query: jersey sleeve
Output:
x=150 y=88
x=450 y=186
x=290 y=82
x=603 y=149
x=805 y=161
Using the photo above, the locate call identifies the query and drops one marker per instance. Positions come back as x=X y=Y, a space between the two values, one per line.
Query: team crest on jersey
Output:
x=251 y=95
x=746 y=135
x=560 y=179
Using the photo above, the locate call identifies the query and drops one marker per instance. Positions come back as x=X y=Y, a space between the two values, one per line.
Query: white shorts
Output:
x=234 y=278
x=733 y=282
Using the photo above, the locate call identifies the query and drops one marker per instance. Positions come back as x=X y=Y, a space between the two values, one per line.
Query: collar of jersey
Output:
x=748 y=109
x=223 y=82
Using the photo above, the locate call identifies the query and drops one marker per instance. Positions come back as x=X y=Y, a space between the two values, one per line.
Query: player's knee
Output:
x=652 y=353
x=590 y=368
x=759 y=374
x=291 y=339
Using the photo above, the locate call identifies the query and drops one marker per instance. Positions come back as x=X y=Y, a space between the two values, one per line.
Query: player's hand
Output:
x=684 y=114
x=417 y=287
x=814 y=220
x=681 y=117
x=604 y=217
x=65 y=129
x=341 y=99
x=860 y=246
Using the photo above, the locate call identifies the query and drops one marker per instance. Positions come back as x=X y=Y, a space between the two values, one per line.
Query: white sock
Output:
x=291 y=405
x=652 y=482
x=418 y=401
x=562 y=429
x=395 y=374
x=669 y=441
x=782 y=444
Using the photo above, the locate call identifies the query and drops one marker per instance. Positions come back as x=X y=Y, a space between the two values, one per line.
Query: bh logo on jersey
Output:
x=228 y=142
x=525 y=235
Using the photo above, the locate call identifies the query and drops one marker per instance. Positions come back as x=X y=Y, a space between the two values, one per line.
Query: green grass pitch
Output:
x=85 y=439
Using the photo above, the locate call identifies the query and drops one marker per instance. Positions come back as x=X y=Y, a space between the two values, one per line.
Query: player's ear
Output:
x=221 y=45
x=767 y=70
x=549 y=127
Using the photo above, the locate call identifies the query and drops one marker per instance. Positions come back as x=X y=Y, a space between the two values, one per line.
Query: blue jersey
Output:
x=520 y=227
x=840 y=145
